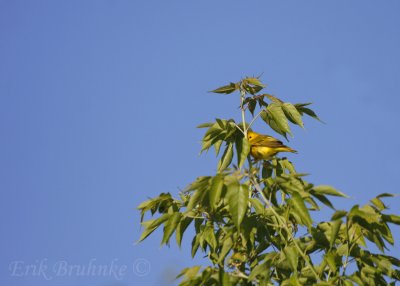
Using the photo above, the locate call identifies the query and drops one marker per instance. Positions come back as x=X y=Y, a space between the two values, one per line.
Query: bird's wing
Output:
x=267 y=141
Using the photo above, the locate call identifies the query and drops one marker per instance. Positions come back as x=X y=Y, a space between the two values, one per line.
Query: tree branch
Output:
x=268 y=203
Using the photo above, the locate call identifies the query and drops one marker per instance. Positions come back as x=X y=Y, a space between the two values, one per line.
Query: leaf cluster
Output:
x=256 y=220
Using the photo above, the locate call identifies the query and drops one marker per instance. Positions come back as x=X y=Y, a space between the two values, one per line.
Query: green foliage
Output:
x=254 y=219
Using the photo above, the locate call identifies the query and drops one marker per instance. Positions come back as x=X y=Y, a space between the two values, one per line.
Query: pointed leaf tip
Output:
x=226 y=89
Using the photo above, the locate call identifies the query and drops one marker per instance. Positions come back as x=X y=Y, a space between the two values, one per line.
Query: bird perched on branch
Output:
x=265 y=146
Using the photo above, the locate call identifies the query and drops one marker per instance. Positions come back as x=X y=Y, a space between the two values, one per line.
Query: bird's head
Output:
x=251 y=135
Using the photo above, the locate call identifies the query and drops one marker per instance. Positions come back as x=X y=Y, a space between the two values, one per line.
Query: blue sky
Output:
x=99 y=101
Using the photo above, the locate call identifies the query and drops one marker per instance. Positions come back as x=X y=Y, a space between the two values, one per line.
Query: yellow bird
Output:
x=265 y=146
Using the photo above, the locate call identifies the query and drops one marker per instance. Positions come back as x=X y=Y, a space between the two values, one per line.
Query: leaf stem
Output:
x=254 y=119
x=240 y=129
x=242 y=96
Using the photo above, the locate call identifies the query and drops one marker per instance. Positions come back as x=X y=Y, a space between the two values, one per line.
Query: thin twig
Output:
x=254 y=119
x=240 y=129
x=242 y=95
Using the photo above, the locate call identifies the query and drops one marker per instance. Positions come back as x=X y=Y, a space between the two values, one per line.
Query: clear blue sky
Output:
x=99 y=100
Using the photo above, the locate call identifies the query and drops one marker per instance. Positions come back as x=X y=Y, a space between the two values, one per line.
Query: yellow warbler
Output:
x=265 y=146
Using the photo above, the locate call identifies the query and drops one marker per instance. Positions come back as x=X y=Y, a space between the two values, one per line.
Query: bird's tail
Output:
x=288 y=149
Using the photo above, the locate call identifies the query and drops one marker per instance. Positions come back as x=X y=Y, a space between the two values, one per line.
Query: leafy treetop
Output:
x=256 y=220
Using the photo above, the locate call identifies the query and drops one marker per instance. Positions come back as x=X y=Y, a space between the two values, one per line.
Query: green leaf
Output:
x=182 y=226
x=366 y=214
x=391 y=218
x=198 y=222
x=237 y=196
x=189 y=272
x=267 y=170
x=221 y=123
x=212 y=132
x=319 y=235
x=226 y=248
x=286 y=164
x=343 y=249
x=347 y=283
x=205 y=125
x=378 y=203
x=254 y=81
x=366 y=269
x=217 y=146
x=272 y=98
x=152 y=225
x=217 y=184
x=155 y=204
x=243 y=150
x=226 y=158
x=292 y=114
x=195 y=245
x=200 y=183
x=195 y=199
x=323 y=199
x=266 y=117
x=252 y=89
x=206 y=144
x=297 y=202
x=292 y=256
x=330 y=259
x=201 y=187
x=170 y=226
x=335 y=227
x=252 y=106
x=356 y=279
x=323 y=283
x=260 y=269
x=215 y=134
x=385 y=195
x=227 y=89
x=206 y=275
x=145 y=206
x=328 y=190
x=383 y=264
x=294 y=281
x=223 y=278
x=209 y=236
x=258 y=206
x=277 y=118
x=339 y=214
x=300 y=108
